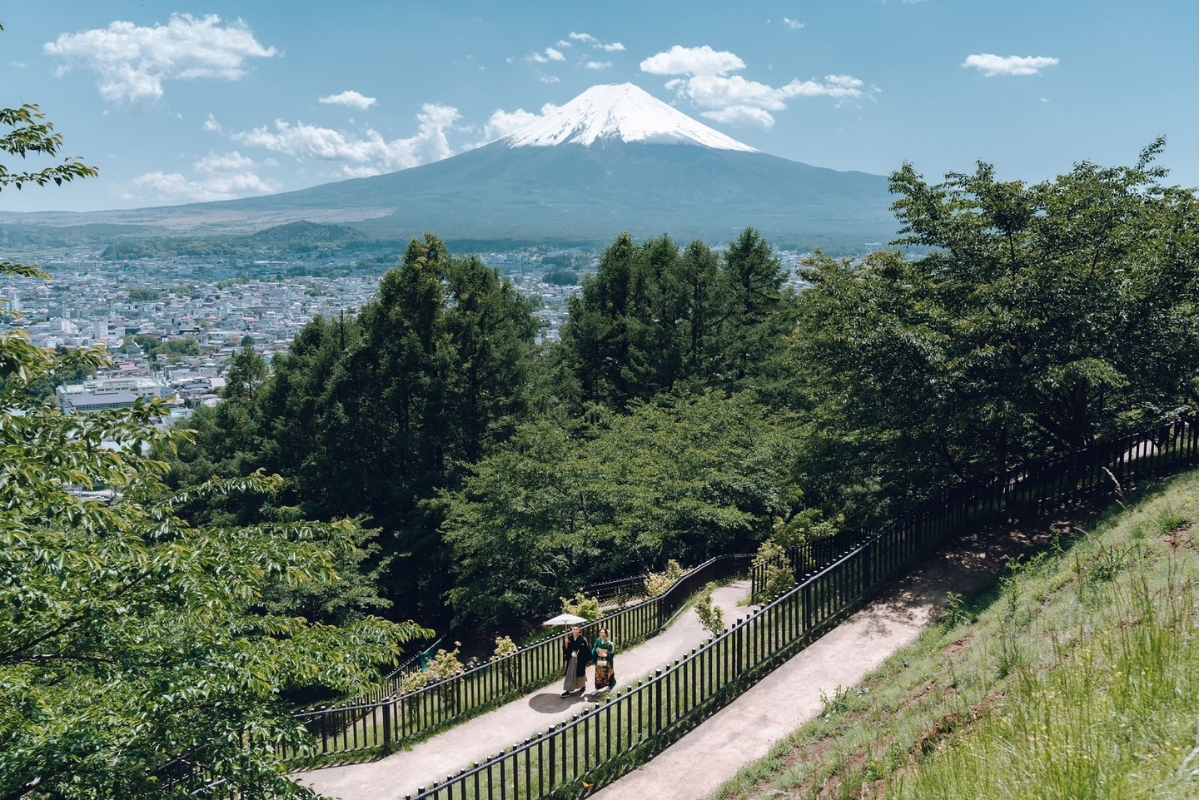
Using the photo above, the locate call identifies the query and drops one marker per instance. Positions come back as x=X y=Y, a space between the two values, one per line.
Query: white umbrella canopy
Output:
x=564 y=619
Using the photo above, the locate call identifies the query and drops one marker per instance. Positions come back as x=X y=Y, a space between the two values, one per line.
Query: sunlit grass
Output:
x=1074 y=676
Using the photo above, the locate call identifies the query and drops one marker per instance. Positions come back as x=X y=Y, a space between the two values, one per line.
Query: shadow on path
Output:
x=553 y=703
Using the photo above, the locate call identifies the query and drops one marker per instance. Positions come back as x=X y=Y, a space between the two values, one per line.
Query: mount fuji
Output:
x=612 y=159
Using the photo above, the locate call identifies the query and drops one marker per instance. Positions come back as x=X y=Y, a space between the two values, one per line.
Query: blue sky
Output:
x=194 y=101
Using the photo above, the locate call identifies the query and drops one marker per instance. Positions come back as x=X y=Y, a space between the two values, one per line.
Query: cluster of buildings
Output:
x=171 y=325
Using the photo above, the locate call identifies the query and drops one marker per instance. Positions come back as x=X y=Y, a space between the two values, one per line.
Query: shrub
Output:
x=506 y=647
x=780 y=576
x=711 y=617
x=658 y=582
x=582 y=606
x=804 y=526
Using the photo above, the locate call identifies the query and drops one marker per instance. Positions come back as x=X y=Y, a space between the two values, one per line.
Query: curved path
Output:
x=402 y=773
x=746 y=729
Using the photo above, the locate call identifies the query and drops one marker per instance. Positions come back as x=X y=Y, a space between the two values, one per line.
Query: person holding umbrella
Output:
x=575 y=653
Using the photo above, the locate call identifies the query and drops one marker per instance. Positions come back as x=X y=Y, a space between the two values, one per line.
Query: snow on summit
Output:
x=622 y=112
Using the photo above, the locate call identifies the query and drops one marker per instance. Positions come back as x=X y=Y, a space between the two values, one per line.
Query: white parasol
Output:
x=564 y=619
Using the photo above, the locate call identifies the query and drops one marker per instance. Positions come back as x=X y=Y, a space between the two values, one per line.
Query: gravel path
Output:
x=476 y=740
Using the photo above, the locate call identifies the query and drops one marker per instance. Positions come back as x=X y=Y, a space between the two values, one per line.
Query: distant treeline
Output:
x=294 y=237
x=696 y=405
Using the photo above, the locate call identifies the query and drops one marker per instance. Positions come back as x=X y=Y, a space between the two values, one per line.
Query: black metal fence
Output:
x=1017 y=491
x=634 y=586
x=586 y=745
x=397 y=717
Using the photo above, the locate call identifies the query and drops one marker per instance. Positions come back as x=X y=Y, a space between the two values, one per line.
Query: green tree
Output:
x=136 y=658
x=654 y=320
x=370 y=416
x=247 y=371
x=566 y=502
x=1040 y=319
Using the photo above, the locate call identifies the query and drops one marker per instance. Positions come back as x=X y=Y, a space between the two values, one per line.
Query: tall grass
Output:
x=1073 y=676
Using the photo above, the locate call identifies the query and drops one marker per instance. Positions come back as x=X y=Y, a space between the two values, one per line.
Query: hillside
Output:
x=1072 y=676
x=290 y=237
x=612 y=159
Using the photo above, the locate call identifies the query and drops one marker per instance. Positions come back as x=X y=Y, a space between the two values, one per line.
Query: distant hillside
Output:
x=94 y=234
x=302 y=236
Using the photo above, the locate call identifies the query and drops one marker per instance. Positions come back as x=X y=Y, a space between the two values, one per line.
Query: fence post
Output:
x=387 y=725
x=658 y=700
x=737 y=652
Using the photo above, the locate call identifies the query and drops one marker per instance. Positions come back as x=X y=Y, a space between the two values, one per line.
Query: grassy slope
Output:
x=1073 y=676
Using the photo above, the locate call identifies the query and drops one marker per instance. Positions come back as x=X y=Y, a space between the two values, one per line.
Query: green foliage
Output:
x=581 y=606
x=1041 y=319
x=137 y=294
x=780 y=575
x=370 y=416
x=30 y=133
x=509 y=667
x=806 y=525
x=299 y=237
x=129 y=639
x=657 y=583
x=654 y=319
x=246 y=372
x=1047 y=683
x=711 y=617
x=565 y=502
x=561 y=277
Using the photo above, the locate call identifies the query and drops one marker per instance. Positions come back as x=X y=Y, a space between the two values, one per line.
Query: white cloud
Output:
x=547 y=78
x=224 y=176
x=793 y=24
x=692 y=61
x=349 y=98
x=598 y=64
x=991 y=64
x=211 y=125
x=743 y=116
x=563 y=43
x=581 y=37
x=550 y=54
x=224 y=162
x=502 y=122
x=133 y=62
x=174 y=187
x=17 y=64
x=369 y=154
x=611 y=47
x=732 y=99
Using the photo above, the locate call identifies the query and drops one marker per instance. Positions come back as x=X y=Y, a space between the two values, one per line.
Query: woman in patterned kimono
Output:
x=602 y=653
x=575 y=654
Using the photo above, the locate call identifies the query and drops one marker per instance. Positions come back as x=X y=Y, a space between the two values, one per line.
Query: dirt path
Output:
x=745 y=730
x=476 y=740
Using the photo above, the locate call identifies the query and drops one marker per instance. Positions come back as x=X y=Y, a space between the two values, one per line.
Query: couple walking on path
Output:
x=577 y=654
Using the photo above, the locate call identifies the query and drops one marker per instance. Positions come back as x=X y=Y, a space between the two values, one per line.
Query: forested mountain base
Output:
x=695 y=405
x=1072 y=675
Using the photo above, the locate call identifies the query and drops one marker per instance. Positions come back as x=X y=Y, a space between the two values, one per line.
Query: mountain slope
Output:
x=613 y=159
x=577 y=192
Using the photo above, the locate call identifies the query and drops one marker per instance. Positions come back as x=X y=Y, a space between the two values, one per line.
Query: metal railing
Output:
x=1017 y=491
x=585 y=746
x=399 y=717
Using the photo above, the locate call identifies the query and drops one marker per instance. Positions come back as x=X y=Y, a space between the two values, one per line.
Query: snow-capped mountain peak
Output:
x=619 y=112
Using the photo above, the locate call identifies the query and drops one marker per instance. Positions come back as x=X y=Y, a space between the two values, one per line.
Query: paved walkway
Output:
x=746 y=729
x=478 y=739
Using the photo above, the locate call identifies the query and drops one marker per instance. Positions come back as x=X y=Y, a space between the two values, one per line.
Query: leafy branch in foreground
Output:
x=138 y=654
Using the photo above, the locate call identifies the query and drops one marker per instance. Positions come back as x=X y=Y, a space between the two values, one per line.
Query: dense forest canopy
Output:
x=695 y=404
